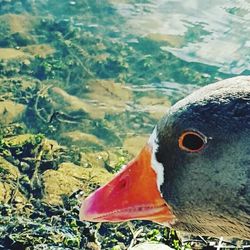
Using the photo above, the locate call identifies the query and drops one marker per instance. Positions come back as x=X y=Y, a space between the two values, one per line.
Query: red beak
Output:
x=132 y=194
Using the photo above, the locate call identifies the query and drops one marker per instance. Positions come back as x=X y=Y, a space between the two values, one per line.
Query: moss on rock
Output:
x=83 y=139
x=23 y=140
x=70 y=178
x=10 y=111
x=134 y=144
x=9 y=181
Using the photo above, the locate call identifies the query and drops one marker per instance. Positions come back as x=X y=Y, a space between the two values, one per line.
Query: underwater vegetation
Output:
x=70 y=117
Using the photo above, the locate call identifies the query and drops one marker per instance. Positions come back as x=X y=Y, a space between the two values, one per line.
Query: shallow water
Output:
x=213 y=32
x=82 y=85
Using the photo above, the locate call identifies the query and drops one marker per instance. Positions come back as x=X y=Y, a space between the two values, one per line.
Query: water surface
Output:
x=213 y=32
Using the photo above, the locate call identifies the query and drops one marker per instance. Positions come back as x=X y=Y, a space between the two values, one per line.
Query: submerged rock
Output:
x=10 y=111
x=101 y=98
x=155 y=106
x=26 y=52
x=68 y=103
x=23 y=140
x=12 y=87
x=9 y=182
x=134 y=144
x=10 y=53
x=110 y=97
x=175 y=41
x=70 y=178
x=41 y=50
x=82 y=139
x=19 y=23
x=17 y=30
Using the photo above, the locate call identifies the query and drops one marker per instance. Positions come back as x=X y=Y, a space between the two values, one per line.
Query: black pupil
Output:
x=192 y=142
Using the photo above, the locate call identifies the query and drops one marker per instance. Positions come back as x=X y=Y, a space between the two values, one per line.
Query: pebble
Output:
x=151 y=246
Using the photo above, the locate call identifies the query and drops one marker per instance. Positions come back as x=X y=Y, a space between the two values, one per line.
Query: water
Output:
x=82 y=85
x=211 y=32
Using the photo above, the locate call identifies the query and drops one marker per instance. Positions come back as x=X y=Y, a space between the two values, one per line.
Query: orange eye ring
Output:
x=192 y=141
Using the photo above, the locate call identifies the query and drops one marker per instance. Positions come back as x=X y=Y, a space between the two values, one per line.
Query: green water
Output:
x=82 y=85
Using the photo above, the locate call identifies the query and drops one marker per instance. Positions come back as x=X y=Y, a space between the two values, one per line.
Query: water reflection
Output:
x=214 y=32
x=173 y=90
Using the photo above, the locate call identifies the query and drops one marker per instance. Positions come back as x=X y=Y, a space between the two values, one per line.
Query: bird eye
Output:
x=192 y=141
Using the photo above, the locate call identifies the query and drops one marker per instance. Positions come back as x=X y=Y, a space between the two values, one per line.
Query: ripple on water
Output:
x=173 y=91
x=211 y=29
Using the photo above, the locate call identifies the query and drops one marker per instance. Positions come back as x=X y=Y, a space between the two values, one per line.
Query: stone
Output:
x=41 y=50
x=151 y=246
x=175 y=41
x=19 y=23
x=82 y=139
x=9 y=176
x=110 y=97
x=68 y=103
x=11 y=111
x=22 y=140
x=10 y=53
x=155 y=106
x=70 y=178
x=135 y=143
